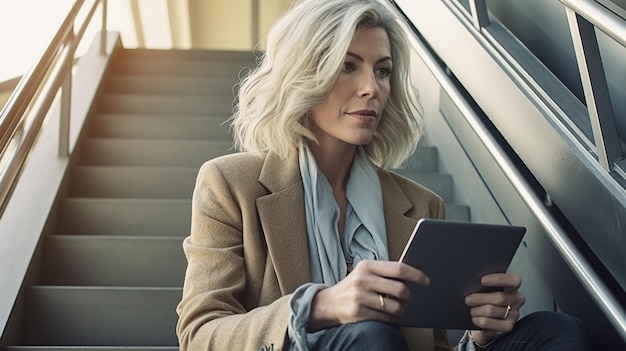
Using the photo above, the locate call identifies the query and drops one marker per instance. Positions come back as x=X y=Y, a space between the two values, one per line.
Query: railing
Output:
x=584 y=16
x=589 y=279
x=27 y=107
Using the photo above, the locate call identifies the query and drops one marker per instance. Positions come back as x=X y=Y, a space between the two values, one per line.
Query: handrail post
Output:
x=480 y=15
x=66 y=100
x=66 y=107
x=593 y=77
x=103 y=32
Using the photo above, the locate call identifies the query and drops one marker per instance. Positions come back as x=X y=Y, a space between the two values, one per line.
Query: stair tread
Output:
x=170 y=84
x=127 y=200
x=160 y=141
x=195 y=54
x=440 y=183
x=160 y=127
x=92 y=348
x=113 y=237
x=165 y=66
x=165 y=104
x=153 y=217
x=151 y=152
x=127 y=316
x=215 y=118
x=109 y=260
x=133 y=182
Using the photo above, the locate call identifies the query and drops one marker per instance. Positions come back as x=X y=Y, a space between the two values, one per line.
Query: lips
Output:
x=370 y=113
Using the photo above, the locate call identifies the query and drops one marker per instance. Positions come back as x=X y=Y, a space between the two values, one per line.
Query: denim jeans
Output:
x=368 y=335
x=545 y=331
x=537 y=331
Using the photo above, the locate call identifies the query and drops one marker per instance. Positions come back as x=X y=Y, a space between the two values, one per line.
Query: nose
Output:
x=368 y=86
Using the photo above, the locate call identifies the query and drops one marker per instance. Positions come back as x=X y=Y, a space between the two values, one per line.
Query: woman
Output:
x=294 y=242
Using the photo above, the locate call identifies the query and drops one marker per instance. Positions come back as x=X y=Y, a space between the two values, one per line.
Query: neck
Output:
x=334 y=162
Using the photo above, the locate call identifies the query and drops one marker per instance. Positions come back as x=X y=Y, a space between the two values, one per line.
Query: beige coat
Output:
x=248 y=251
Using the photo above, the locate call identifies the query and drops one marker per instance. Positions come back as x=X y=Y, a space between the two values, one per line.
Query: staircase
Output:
x=112 y=268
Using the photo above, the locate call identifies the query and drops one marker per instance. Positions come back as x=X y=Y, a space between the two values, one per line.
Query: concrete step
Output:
x=88 y=260
x=155 y=153
x=165 y=104
x=177 y=54
x=437 y=182
x=456 y=212
x=175 y=67
x=176 y=85
x=424 y=159
x=132 y=182
x=100 y=316
x=90 y=348
x=173 y=127
x=134 y=217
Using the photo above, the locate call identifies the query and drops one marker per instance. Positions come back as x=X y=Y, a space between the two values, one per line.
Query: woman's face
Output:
x=351 y=112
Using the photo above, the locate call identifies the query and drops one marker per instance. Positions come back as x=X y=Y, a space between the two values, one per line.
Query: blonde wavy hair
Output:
x=305 y=51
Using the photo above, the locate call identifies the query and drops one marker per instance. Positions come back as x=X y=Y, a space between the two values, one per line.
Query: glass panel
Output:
x=617 y=6
x=543 y=28
x=465 y=4
x=613 y=54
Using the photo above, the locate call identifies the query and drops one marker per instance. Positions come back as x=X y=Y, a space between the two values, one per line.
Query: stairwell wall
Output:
x=24 y=219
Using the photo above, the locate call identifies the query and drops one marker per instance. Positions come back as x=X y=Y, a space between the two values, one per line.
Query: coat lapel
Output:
x=283 y=220
x=396 y=205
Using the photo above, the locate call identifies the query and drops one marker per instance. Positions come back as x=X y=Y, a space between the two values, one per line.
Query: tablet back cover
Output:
x=454 y=255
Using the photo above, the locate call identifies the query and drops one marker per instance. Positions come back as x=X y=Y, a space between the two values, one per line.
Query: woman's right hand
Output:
x=358 y=296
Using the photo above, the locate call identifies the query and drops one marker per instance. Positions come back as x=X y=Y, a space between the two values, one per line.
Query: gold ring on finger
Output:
x=508 y=309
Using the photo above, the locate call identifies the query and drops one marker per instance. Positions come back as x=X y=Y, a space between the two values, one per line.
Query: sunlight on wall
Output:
x=28 y=26
x=156 y=23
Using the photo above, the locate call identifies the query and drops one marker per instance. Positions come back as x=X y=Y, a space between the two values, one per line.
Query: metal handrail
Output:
x=605 y=20
x=589 y=279
x=36 y=92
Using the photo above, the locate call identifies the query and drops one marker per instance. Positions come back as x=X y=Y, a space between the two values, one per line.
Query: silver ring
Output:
x=508 y=309
x=381 y=299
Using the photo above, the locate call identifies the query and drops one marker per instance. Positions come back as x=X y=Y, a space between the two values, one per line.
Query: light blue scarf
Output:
x=364 y=234
x=364 y=231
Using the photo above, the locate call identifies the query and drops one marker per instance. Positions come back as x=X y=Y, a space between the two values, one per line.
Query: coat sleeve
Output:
x=215 y=312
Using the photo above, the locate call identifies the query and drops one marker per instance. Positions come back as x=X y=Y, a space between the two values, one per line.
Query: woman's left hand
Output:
x=495 y=312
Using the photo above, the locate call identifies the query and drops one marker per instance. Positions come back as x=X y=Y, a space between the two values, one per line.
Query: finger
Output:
x=390 y=305
x=495 y=312
x=386 y=309
x=496 y=325
x=507 y=293
x=497 y=298
x=364 y=286
x=493 y=320
x=507 y=281
x=391 y=289
x=395 y=270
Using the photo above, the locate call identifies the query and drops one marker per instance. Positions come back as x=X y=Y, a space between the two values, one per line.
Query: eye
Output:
x=383 y=72
x=348 y=67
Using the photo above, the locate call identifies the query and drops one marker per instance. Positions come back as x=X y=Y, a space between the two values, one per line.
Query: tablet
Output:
x=454 y=255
